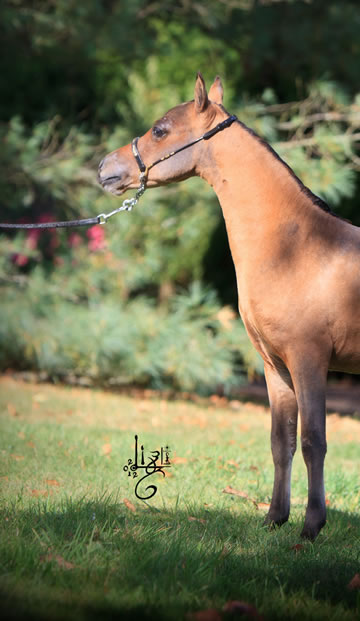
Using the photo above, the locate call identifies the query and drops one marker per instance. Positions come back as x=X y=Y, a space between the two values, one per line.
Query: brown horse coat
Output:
x=297 y=269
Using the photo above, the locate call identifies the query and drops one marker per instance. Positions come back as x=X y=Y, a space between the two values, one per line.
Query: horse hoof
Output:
x=310 y=532
x=272 y=522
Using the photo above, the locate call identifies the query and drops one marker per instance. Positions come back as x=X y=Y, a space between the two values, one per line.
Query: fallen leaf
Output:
x=230 y=490
x=178 y=460
x=53 y=482
x=17 y=457
x=12 y=409
x=39 y=492
x=262 y=505
x=129 y=505
x=106 y=449
x=21 y=435
x=194 y=519
x=297 y=547
x=327 y=502
x=254 y=468
x=354 y=584
x=239 y=609
x=31 y=444
x=59 y=560
x=232 y=462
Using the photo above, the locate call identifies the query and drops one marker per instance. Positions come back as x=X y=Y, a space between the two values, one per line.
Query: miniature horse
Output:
x=297 y=270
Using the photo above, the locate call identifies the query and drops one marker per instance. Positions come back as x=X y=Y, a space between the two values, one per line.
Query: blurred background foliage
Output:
x=150 y=299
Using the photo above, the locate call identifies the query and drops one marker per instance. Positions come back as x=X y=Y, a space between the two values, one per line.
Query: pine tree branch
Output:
x=316 y=118
x=309 y=142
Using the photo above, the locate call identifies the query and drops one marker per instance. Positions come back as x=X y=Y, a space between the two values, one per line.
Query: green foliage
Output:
x=78 y=81
x=191 y=345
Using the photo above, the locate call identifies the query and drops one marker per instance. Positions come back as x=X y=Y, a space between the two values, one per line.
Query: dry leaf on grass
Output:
x=354 y=584
x=106 y=449
x=297 y=547
x=39 y=492
x=12 y=409
x=236 y=492
x=263 y=505
x=194 y=519
x=129 y=505
x=178 y=460
x=59 y=560
x=17 y=457
x=52 y=482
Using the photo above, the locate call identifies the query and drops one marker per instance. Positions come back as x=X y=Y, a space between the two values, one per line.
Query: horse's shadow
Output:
x=171 y=547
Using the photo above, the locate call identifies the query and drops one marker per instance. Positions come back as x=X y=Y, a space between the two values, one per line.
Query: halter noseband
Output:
x=144 y=170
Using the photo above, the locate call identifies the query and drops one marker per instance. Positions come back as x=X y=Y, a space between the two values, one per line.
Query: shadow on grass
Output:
x=161 y=564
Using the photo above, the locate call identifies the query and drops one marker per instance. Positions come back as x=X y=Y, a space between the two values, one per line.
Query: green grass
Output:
x=71 y=548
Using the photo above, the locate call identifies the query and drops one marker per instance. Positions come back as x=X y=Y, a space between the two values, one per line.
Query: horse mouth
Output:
x=113 y=184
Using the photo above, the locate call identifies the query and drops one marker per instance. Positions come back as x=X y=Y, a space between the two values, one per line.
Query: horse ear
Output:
x=201 y=98
x=216 y=91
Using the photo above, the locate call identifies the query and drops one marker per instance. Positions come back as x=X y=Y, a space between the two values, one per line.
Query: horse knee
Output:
x=313 y=446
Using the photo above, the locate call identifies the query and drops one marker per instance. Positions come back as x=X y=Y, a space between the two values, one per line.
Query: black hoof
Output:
x=311 y=531
x=273 y=522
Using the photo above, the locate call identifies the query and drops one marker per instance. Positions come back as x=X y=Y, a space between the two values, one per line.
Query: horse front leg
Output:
x=309 y=381
x=284 y=410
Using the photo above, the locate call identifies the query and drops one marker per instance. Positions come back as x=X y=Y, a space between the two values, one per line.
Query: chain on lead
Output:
x=127 y=204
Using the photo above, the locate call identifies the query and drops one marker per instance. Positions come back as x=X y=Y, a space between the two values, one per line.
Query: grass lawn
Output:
x=76 y=543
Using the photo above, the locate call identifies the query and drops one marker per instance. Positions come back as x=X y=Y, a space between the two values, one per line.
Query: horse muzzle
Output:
x=112 y=175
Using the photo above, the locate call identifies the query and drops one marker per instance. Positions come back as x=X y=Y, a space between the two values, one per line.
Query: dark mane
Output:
x=316 y=200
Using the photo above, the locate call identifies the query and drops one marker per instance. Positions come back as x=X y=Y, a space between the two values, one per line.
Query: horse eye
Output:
x=158 y=132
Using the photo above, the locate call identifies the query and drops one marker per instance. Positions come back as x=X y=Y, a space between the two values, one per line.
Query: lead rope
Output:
x=102 y=218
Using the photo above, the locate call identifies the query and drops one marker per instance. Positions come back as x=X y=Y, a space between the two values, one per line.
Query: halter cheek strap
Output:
x=144 y=170
x=137 y=156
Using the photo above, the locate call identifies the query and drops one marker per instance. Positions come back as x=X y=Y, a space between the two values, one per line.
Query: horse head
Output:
x=159 y=156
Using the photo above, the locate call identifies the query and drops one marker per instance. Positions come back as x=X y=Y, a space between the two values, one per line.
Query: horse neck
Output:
x=261 y=199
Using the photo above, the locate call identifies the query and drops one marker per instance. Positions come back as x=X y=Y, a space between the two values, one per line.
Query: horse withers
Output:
x=297 y=269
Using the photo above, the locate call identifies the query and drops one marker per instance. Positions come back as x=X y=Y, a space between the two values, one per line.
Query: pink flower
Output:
x=46 y=217
x=74 y=240
x=20 y=259
x=96 y=235
x=32 y=238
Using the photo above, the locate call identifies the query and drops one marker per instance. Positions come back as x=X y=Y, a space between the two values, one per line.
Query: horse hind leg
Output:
x=284 y=411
